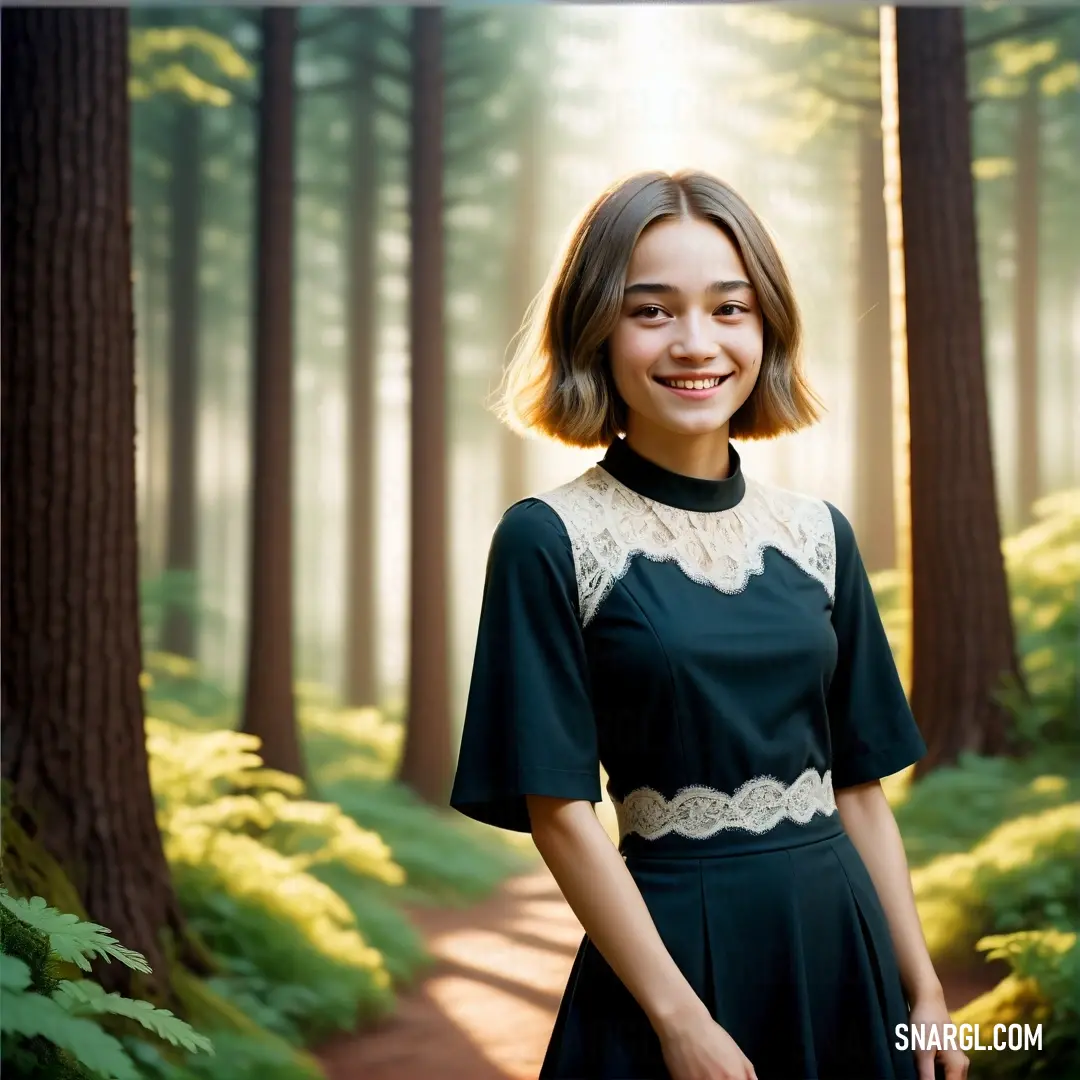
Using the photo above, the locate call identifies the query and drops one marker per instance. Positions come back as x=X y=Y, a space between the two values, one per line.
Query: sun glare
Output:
x=652 y=96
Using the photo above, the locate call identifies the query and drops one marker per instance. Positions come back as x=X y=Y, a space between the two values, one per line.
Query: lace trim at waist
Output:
x=700 y=812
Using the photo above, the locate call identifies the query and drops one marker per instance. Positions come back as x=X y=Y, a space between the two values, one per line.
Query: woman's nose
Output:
x=696 y=339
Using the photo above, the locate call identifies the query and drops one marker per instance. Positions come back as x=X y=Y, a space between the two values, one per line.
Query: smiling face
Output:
x=687 y=347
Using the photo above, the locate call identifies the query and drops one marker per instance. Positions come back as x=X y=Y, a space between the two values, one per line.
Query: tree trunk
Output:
x=962 y=635
x=523 y=286
x=426 y=761
x=185 y=205
x=269 y=707
x=74 y=744
x=361 y=657
x=874 y=488
x=901 y=419
x=1026 y=297
x=153 y=336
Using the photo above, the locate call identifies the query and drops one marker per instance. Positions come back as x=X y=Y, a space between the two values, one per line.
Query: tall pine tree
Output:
x=74 y=746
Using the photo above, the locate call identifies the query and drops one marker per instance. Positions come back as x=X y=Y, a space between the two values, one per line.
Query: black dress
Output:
x=716 y=645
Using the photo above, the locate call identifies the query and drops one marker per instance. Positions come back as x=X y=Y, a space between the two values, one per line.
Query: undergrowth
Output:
x=57 y=1027
x=993 y=841
x=301 y=899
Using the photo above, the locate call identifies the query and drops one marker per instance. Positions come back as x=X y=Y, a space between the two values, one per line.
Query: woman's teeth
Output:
x=692 y=384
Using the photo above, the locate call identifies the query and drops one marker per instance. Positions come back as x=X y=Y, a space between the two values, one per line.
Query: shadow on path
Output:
x=486 y=1008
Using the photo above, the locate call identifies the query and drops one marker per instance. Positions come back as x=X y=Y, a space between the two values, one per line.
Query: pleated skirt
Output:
x=784 y=939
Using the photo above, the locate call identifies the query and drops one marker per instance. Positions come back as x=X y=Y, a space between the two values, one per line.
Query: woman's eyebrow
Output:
x=654 y=288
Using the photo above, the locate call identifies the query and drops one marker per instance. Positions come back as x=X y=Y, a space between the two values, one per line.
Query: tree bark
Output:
x=74 y=745
x=361 y=656
x=962 y=634
x=874 y=487
x=426 y=760
x=269 y=706
x=1026 y=294
x=153 y=336
x=901 y=418
x=185 y=202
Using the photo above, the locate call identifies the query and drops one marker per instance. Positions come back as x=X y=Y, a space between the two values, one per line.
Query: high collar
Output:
x=671 y=488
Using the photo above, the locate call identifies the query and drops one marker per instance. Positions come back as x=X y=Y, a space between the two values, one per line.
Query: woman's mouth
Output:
x=694 y=388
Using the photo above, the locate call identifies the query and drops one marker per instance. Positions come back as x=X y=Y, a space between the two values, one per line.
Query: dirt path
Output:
x=486 y=1010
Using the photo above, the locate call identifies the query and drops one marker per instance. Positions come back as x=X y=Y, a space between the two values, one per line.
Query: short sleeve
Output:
x=872 y=728
x=529 y=725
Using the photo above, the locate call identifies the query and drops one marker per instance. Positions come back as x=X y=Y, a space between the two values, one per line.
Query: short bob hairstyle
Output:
x=559 y=383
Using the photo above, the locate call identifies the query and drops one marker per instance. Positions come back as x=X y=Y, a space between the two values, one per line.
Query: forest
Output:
x=262 y=269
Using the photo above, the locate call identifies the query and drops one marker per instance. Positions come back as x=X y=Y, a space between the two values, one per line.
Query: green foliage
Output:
x=175 y=590
x=1043 y=988
x=446 y=858
x=187 y=61
x=952 y=810
x=237 y=1057
x=278 y=1006
x=824 y=68
x=1023 y=874
x=1043 y=568
x=86 y=998
x=992 y=841
x=242 y=844
x=26 y=1015
x=1030 y=54
x=445 y=864
x=31 y=946
x=51 y=1026
x=1050 y=957
x=70 y=938
x=1043 y=564
x=300 y=900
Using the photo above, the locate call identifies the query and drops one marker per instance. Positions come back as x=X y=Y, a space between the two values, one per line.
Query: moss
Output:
x=31 y=947
x=28 y=868
x=39 y=1059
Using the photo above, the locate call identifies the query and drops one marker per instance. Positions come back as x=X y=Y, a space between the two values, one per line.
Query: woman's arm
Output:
x=598 y=887
x=868 y=820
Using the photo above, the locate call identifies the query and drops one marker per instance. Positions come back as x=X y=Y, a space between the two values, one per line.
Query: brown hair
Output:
x=559 y=382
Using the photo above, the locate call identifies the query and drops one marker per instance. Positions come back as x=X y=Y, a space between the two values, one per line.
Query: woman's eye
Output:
x=729 y=310
x=649 y=311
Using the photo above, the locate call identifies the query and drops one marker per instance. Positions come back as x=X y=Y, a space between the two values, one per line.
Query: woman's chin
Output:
x=705 y=422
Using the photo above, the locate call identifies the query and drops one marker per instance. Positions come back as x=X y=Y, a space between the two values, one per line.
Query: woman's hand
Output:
x=932 y=1012
x=696 y=1047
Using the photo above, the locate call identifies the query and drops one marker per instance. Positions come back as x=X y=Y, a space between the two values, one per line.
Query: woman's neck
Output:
x=704 y=456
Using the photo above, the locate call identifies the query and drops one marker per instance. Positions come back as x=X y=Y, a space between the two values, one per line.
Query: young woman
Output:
x=714 y=643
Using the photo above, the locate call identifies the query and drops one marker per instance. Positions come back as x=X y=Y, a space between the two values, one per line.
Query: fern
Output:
x=85 y=998
x=14 y=974
x=69 y=937
x=50 y=1026
x=27 y=1014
